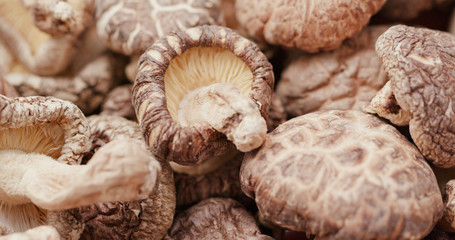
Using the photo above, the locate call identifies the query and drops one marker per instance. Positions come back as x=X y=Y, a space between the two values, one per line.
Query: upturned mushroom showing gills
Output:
x=202 y=93
x=420 y=66
x=343 y=175
x=309 y=25
x=42 y=35
x=42 y=142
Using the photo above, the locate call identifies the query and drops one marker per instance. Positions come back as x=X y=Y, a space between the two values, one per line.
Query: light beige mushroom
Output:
x=42 y=35
x=343 y=175
x=38 y=233
x=42 y=142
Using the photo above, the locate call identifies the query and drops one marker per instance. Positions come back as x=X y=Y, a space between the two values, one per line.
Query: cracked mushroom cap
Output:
x=42 y=35
x=131 y=26
x=420 y=65
x=343 y=175
x=215 y=218
x=186 y=73
x=346 y=78
x=148 y=218
x=308 y=25
x=409 y=9
x=86 y=88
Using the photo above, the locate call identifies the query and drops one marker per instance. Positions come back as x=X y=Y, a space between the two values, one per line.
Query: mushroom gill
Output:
x=202 y=66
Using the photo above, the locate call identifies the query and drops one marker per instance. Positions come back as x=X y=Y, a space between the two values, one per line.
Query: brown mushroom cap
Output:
x=308 y=25
x=215 y=218
x=118 y=102
x=420 y=65
x=131 y=26
x=343 y=175
x=149 y=218
x=409 y=9
x=156 y=99
x=346 y=78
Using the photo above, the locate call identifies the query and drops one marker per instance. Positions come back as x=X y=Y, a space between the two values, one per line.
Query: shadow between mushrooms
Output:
x=196 y=89
x=420 y=65
x=42 y=142
x=342 y=175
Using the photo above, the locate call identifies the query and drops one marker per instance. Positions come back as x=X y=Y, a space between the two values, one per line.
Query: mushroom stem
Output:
x=109 y=176
x=228 y=111
x=385 y=105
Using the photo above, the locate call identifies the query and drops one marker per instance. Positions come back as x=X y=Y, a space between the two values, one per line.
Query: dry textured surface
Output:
x=191 y=145
x=38 y=233
x=131 y=26
x=42 y=35
x=343 y=175
x=86 y=88
x=215 y=218
x=30 y=111
x=447 y=222
x=409 y=9
x=149 y=218
x=118 y=103
x=309 y=25
x=222 y=182
x=347 y=78
x=420 y=64
x=277 y=113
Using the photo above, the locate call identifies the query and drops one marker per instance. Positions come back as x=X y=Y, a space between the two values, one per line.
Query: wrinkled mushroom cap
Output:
x=308 y=25
x=346 y=78
x=343 y=175
x=148 y=218
x=156 y=99
x=215 y=218
x=131 y=26
x=420 y=65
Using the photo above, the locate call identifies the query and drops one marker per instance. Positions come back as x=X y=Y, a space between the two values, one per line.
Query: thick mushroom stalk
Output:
x=231 y=113
x=51 y=185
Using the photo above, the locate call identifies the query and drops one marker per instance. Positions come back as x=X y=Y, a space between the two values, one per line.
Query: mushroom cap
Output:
x=215 y=218
x=131 y=26
x=193 y=144
x=277 y=113
x=342 y=175
x=61 y=122
x=118 y=102
x=420 y=65
x=149 y=218
x=346 y=78
x=409 y=9
x=308 y=25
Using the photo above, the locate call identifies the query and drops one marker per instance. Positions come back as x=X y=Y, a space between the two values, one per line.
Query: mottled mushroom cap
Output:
x=131 y=26
x=346 y=78
x=149 y=218
x=193 y=144
x=343 y=175
x=409 y=9
x=307 y=24
x=215 y=218
x=45 y=125
x=420 y=65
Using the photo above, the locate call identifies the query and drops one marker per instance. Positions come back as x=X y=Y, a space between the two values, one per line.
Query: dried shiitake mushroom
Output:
x=42 y=35
x=447 y=222
x=343 y=175
x=196 y=89
x=277 y=113
x=86 y=88
x=222 y=182
x=38 y=233
x=118 y=102
x=421 y=72
x=131 y=26
x=346 y=78
x=149 y=218
x=308 y=25
x=42 y=141
x=215 y=218
x=409 y=9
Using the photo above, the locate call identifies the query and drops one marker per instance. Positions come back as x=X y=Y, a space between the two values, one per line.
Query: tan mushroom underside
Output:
x=202 y=66
x=18 y=18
